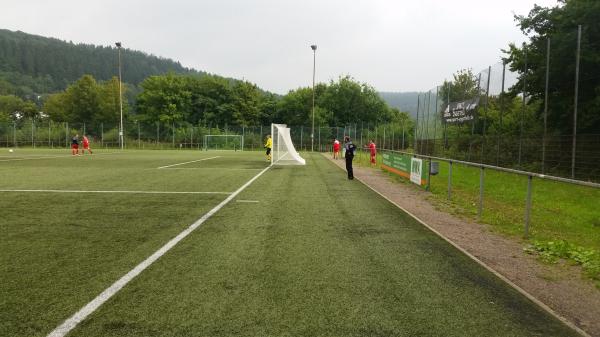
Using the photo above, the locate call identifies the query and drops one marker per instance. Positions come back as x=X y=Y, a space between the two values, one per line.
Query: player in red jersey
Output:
x=86 y=145
x=373 y=150
x=336 y=149
x=75 y=145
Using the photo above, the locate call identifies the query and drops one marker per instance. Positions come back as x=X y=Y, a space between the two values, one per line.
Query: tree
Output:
x=559 y=24
x=246 y=103
x=83 y=100
x=212 y=100
x=351 y=102
x=463 y=86
x=295 y=108
x=55 y=106
x=11 y=107
x=109 y=107
x=164 y=98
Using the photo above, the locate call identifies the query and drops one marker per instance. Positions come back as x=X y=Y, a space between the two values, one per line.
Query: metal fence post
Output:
x=546 y=106
x=473 y=120
x=450 y=180
x=435 y=112
x=319 y=138
x=528 y=206
x=576 y=101
x=403 y=134
x=417 y=122
x=485 y=110
x=429 y=176
x=361 y=133
x=480 y=210
x=523 y=105
x=426 y=125
x=501 y=111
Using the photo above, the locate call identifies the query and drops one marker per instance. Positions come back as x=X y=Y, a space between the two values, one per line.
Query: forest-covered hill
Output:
x=403 y=101
x=33 y=65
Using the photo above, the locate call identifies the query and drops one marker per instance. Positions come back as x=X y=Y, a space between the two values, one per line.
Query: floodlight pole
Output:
x=118 y=44
x=312 y=134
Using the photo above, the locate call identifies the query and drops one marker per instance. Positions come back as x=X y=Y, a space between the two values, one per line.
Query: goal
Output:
x=224 y=142
x=283 y=151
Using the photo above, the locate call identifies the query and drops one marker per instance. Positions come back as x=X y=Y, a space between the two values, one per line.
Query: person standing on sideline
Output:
x=349 y=155
x=336 y=149
x=373 y=150
x=86 y=145
x=75 y=145
x=268 y=146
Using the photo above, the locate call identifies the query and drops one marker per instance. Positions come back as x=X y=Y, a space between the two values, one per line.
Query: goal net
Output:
x=283 y=151
x=224 y=142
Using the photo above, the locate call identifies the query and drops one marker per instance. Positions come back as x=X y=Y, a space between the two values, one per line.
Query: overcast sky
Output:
x=393 y=45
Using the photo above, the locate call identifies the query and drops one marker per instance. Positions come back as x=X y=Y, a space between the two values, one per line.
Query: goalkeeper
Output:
x=268 y=146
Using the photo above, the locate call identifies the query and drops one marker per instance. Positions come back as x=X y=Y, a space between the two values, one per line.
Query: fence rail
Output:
x=482 y=167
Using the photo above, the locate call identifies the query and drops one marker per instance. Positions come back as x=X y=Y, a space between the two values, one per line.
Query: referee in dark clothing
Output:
x=350 y=148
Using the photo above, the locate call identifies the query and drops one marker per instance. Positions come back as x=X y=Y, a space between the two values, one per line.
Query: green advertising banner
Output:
x=406 y=166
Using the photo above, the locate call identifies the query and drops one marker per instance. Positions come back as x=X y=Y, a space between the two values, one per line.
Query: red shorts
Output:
x=86 y=146
x=75 y=146
x=373 y=158
x=336 y=150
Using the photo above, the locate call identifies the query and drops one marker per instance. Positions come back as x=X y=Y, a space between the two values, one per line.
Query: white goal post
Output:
x=224 y=142
x=283 y=151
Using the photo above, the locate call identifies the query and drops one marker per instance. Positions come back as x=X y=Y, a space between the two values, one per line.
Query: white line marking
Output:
x=108 y=191
x=61 y=156
x=252 y=201
x=215 y=168
x=187 y=162
x=89 y=308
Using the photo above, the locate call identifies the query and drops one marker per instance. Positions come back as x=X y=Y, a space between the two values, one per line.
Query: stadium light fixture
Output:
x=312 y=133
x=118 y=44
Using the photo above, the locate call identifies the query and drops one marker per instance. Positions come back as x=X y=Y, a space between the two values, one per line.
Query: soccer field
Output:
x=300 y=251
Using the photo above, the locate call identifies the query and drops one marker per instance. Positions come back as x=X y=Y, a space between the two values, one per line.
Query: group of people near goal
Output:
x=371 y=146
x=349 y=149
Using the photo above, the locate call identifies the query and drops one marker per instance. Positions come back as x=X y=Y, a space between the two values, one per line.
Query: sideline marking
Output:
x=187 y=162
x=216 y=168
x=71 y=322
x=250 y=201
x=61 y=156
x=478 y=261
x=132 y=192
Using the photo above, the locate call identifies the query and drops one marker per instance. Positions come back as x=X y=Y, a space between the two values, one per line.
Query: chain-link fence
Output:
x=31 y=133
x=497 y=117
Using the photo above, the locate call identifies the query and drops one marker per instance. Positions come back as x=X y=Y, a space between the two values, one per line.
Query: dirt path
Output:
x=559 y=287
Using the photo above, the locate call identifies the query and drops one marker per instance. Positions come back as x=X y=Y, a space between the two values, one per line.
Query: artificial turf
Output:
x=60 y=249
x=317 y=255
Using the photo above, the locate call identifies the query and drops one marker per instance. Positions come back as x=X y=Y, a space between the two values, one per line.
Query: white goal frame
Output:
x=283 y=151
x=241 y=138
